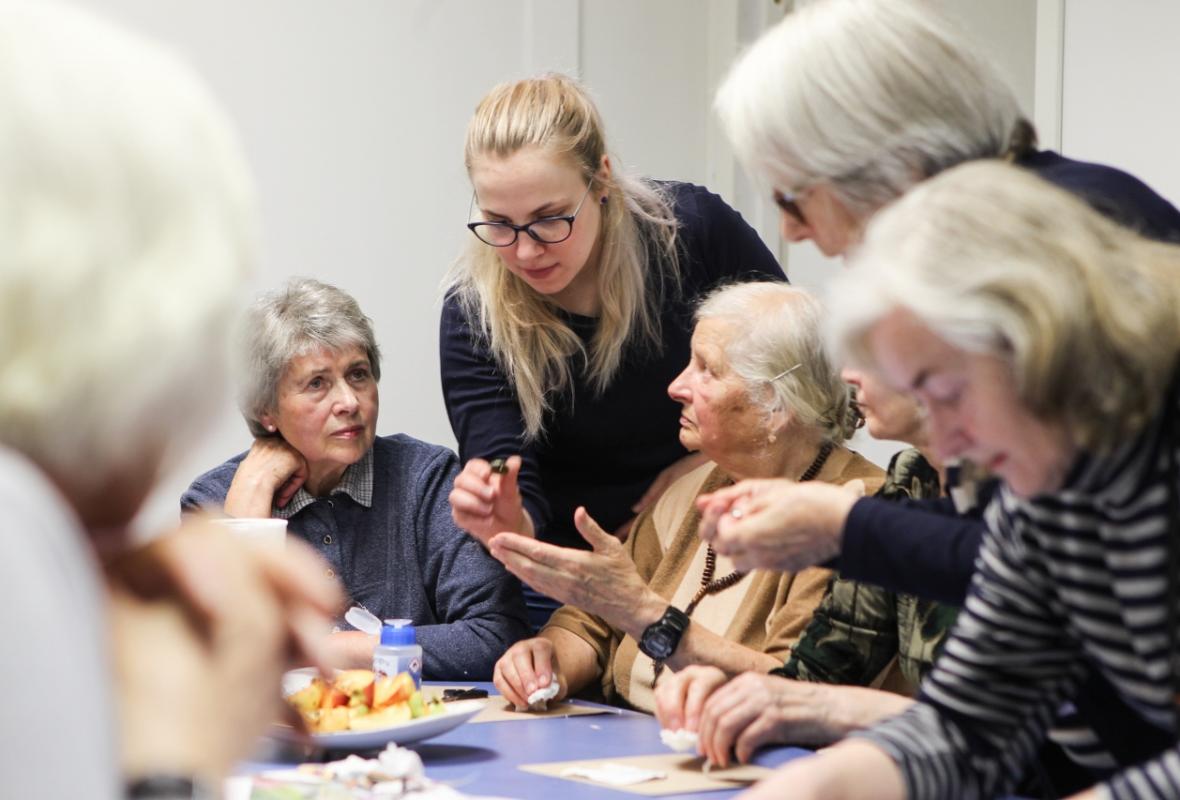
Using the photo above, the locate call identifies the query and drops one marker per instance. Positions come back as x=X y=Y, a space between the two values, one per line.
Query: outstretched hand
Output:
x=602 y=581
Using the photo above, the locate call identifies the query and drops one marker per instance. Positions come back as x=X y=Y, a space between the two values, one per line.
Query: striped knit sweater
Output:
x=1069 y=577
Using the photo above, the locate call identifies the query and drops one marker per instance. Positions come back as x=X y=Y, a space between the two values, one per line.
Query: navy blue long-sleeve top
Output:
x=600 y=450
x=403 y=556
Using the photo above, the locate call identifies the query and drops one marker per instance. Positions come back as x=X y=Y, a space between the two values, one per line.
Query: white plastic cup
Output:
x=265 y=532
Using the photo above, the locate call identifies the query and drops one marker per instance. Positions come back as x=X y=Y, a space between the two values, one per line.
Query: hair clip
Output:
x=784 y=373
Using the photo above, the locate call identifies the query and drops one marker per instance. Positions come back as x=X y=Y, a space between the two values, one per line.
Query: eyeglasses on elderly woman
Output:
x=546 y=230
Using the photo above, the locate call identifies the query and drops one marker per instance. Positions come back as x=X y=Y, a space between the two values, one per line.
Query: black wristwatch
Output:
x=662 y=637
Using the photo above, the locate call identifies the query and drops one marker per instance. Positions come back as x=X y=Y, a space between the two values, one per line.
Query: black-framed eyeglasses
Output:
x=789 y=204
x=546 y=230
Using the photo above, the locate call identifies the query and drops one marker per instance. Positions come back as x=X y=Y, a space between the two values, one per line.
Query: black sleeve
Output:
x=482 y=408
x=718 y=243
x=919 y=547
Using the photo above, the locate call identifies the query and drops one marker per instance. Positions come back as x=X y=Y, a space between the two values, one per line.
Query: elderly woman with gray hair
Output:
x=374 y=507
x=760 y=399
x=982 y=292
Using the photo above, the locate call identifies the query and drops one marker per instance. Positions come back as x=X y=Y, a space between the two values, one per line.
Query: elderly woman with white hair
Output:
x=374 y=507
x=125 y=239
x=759 y=398
x=982 y=292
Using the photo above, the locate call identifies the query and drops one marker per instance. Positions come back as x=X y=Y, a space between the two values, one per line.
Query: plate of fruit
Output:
x=359 y=709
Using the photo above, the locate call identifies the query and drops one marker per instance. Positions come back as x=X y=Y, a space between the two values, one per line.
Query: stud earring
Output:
x=602 y=202
x=270 y=428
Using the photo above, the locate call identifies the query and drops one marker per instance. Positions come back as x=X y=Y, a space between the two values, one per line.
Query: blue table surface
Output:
x=483 y=758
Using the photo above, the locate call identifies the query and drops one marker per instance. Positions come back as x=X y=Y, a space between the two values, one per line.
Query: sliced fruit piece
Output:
x=333 y=697
x=310 y=696
x=383 y=718
x=333 y=720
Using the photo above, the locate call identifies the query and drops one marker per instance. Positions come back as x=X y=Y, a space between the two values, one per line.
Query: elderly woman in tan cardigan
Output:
x=760 y=399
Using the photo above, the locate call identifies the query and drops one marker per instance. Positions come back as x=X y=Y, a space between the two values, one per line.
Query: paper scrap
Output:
x=613 y=774
x=680 y=740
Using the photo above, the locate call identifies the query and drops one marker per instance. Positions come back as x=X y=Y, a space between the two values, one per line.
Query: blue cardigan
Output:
x=404 y=557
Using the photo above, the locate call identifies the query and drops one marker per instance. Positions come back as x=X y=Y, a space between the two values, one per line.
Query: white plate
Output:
x=415 y=730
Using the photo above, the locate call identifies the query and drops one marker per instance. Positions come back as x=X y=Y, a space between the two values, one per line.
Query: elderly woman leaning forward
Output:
x=375 y=508
x=982 y=292
x=760 y=399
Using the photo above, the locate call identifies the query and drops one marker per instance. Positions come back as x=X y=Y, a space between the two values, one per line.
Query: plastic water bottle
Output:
x=397 y=651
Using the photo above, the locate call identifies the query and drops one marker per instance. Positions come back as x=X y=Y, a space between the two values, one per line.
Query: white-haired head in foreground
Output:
x=127 y=228
x=776 y=346
x=1082 y=314
x=868 y=97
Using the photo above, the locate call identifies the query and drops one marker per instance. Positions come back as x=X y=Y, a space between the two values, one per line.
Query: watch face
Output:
x=660 y=644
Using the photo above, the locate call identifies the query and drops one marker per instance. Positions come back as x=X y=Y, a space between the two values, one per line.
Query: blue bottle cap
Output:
x=397 y=632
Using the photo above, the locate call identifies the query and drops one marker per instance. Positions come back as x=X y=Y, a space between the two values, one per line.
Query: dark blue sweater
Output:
x=600 y=450
x=404 y=557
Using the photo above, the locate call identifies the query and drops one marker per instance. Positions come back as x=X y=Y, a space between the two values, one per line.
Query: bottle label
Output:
x=392 y=660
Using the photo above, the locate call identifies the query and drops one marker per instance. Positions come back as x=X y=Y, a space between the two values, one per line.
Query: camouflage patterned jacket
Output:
x=858 y=628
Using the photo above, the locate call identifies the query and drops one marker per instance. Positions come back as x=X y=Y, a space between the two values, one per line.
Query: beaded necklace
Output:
x=710 y=586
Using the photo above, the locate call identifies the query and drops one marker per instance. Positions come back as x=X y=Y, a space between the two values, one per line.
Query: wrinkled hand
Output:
x=777 y=524
x=602 y=581
x=680 y=698
x=484 y=503
x=668 y=475
x=203 y=629
x=754 y=710
x=270 y=473
x=527 y=666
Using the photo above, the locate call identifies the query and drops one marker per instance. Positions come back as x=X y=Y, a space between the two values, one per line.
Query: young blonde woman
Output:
x=569 y=314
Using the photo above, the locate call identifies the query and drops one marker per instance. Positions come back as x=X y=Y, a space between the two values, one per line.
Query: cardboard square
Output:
x=685 y=774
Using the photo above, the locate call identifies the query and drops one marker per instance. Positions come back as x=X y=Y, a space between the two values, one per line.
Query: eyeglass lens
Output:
x=788 y=205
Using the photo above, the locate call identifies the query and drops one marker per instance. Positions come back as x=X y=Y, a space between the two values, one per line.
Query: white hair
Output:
x=996 y=261
x=868 y=96
x=776 y=347
x=126 y=230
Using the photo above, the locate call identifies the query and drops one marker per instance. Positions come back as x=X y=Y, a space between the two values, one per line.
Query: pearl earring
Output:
x=270 y=428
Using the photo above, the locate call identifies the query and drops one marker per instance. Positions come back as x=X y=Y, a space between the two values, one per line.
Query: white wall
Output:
x=352 y=114
x=1120 y=100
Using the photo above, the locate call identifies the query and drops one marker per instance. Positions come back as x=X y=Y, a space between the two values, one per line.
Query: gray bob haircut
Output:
x=127 y=231
x=291 y=321
x=868 y=96
x=997 y=261
x=776 y=347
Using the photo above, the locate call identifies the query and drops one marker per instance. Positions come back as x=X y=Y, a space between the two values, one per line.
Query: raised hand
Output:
x=484 y=502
